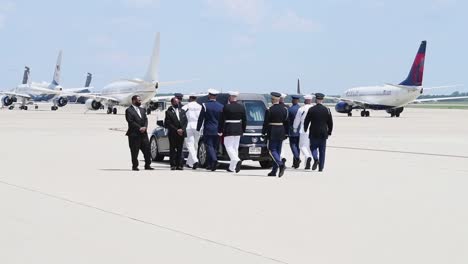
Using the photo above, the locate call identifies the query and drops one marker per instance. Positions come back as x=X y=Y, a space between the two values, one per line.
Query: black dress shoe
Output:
x=238 y=166
x=135 y=169
x=215 y=166
x=309 y=160
x=195 y=166
x=149 y=168
x=272 y=174
x=180 y=168
x=314 y=167
x=173 y=168
x=284 y=161
x=281 y=170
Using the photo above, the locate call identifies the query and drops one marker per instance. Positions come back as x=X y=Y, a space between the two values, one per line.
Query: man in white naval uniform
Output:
x=192 y=110
x=232 y=124
x=304 y=145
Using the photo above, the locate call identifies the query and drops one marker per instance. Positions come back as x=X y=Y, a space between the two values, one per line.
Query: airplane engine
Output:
x=343 y=107
x=62 y=101
x=395 y=111
x=92 y=104
x=7 y=100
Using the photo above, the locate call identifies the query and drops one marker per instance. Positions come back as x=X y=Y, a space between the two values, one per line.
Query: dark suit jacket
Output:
x=135 y=122
x=321 y=122
x=172 y=123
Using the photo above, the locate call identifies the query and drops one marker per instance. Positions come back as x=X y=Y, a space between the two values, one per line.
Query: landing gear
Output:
x=11 y=107
x=365 y=113
x=350 y=114
x=111 y=110
x=395 y=112
x=36 y=107
x=54 y=108
x=24 y=107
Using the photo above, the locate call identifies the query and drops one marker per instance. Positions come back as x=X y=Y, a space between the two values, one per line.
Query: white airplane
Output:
x=120 y=92
x=29 y=92
x=389 y=97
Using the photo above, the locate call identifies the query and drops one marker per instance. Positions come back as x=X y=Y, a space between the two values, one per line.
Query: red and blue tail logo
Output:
x=415 y=76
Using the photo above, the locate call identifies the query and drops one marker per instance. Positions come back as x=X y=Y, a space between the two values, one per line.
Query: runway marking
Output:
x=402 y=152
x=143 y=222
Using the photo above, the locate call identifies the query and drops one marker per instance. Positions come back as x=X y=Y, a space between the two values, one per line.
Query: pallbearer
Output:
x=294 y=135
x=192 y=111
x=232 y=125
x=320 y=120
x=209 y=119
x=275 y=129
x=298 y=125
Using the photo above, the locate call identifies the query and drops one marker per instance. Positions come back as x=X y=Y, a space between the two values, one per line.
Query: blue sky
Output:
x=245 y=45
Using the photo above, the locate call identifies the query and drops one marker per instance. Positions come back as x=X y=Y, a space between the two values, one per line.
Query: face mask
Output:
x=138 y=104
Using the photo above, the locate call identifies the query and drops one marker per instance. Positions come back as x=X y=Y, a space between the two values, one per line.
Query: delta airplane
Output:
x=30 y=92
x=389 y=97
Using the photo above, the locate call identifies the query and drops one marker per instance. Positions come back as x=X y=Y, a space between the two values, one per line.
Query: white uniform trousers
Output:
x=304 y=145
x=231 y=143
x=191 y=142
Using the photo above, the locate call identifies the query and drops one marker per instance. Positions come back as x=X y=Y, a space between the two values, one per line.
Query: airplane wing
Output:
x=27 y=96
x=443 y=87
x=98 y=97
x=439 y=99
x=169 y=97
x=354 y=102
x=77 y=90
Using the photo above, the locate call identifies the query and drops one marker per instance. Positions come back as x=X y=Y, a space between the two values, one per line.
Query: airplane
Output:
x=30 y=92
x=120 y=92
x=390 y=97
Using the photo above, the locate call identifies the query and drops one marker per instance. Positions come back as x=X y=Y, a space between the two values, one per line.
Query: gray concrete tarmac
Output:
x=393 y=191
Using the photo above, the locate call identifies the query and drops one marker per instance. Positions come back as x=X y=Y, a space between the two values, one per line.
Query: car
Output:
x=252 y=145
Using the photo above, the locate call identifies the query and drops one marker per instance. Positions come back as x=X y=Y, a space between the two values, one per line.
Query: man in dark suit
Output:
x=321 y=126
x=137 y=133
x=176 y=124
x=275 y=128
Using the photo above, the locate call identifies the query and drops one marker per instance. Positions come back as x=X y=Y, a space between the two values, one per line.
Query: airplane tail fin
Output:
x=152 y=73
x=415 y=76
x=89 y=77
x=56 y=79
x=298 y=86
x=25 y=75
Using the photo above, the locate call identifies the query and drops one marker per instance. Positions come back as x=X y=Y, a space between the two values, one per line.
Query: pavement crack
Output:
x=143 y=222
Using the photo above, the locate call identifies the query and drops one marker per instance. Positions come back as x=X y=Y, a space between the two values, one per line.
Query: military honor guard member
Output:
x=275 y=127
x=232 y=125
x=209 y=119
x=320 y=120
x=294 y=135
x=304 y=143
x=192 y=111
